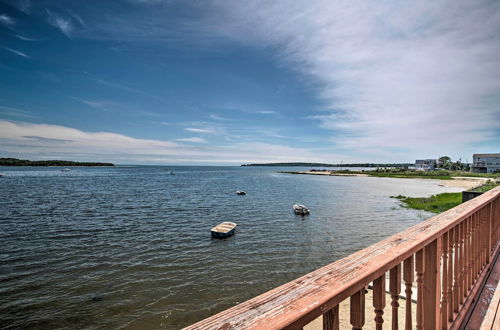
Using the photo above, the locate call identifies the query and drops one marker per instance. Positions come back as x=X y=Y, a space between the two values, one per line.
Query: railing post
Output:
x=432 y=287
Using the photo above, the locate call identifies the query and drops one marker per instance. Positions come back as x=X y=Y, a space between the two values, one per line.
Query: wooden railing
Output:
x=448 y=256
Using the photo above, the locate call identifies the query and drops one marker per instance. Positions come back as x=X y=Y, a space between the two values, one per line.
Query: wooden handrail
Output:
x=296 y=303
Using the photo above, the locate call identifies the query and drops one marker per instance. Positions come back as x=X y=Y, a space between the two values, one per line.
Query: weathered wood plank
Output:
x=300 y=301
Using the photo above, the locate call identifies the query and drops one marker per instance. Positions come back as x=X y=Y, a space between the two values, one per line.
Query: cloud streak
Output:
x=36 y=140
x=17 y=52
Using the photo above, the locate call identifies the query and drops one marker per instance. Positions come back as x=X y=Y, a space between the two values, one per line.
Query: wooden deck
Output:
x=449 y=257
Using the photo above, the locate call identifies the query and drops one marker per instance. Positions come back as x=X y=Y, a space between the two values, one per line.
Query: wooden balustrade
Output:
x=448 y=256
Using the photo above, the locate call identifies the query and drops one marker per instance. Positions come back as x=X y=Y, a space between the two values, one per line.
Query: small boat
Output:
x=65 y=170
x=1 y=174
x=240 y=192
x=223 y=230
x=300 y=209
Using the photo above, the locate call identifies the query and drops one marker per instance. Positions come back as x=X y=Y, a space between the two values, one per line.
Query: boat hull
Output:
x=216 y=234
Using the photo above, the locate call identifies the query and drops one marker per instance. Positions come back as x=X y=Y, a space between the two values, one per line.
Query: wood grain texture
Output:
x=300 y=301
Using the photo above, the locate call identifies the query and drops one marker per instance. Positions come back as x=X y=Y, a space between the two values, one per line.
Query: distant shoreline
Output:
x=50 y=163
x=332 y=165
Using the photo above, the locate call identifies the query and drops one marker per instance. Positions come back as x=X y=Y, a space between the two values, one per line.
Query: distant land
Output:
x=25 y=162
x=333 y=165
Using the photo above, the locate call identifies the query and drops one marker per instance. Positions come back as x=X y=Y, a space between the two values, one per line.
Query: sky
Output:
x=232 y=82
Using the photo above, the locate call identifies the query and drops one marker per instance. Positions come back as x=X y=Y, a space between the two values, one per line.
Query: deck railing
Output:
x=447 y=255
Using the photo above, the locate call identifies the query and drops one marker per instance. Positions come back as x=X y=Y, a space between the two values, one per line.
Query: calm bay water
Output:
x=130 y=247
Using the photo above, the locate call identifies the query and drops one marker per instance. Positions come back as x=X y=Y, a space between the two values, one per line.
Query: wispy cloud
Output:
x=93 y=104
x=266 y=112
x=217 y=117
x=16 y=112
x=77 y=18
x=17 y=52
x=6 y=20
x=36 y=140
x=209 y=130
x=62 y=23
x=193 y=140
x=25 y=38
x=424 y=77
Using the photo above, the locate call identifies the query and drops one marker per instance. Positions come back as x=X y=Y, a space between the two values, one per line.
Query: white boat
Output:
x=240 y=192
x=1 y=174
x=65 y=170
x=223 y=230
x=300 y=209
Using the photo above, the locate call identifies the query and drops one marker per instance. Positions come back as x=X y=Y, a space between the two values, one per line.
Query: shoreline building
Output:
x=486 y=163
x=425 y=164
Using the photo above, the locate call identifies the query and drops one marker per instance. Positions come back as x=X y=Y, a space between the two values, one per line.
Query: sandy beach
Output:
x=465 y=183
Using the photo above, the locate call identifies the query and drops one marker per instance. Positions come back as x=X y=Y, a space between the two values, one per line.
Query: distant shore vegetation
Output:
x=404 y=173
x=440 y=202
x=66 y=163
x=402 y=165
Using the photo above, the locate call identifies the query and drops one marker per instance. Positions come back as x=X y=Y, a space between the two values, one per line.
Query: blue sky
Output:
x=217 y=82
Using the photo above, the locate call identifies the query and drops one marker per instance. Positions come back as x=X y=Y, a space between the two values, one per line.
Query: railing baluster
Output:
x=331 y=319
x=474 y=250
x=432 y=290
x=484 y=238
x=358 y=310
x=451 y=254
x=395 y=289
x=419 y=267
x=478 y=251
x=468 y=266
x=490 y=232
x=462 y=262
x=379 y=301
x=444 y=300
x=456 y=272
x=408 y=279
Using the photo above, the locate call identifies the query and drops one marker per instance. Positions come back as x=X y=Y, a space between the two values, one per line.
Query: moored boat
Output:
x=300 y=209
x=223 y=230
x=65 y=170
x=240 y=192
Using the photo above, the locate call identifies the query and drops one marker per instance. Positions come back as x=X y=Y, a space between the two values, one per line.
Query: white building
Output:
x=425 y=164
x=486 y=163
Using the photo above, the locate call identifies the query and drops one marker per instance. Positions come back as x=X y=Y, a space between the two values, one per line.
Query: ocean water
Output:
x=130 y=247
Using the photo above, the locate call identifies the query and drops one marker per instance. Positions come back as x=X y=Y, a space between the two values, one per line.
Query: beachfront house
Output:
x=425 y=164
x=486 y=163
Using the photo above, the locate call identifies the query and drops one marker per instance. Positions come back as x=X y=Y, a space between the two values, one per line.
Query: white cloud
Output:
x=16 y=52
x=60 y=22
x=6 y=20
x=266 y=112
x=422 y=76
x=93 y=104
x=40 y=140
x=193 y=140
x=209 y=130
